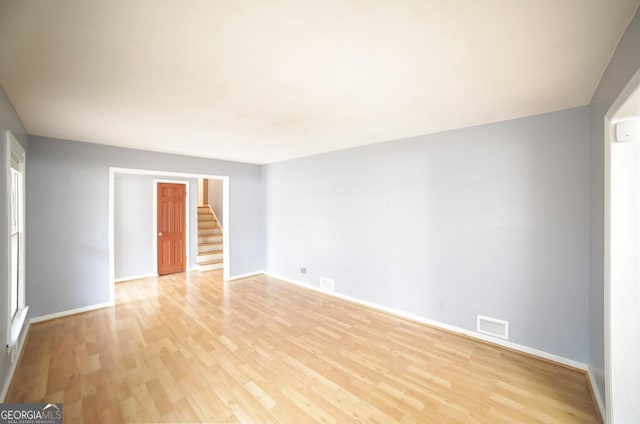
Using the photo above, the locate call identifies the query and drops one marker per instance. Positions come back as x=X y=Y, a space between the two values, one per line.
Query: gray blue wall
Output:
x=490 y=220
x=67 y=217
x=9 y=120
x=133 y=224
x=623 y=65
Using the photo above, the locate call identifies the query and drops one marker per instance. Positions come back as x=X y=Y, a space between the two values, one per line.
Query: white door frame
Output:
x=226 y=245
x=609 y=137
x=154 y=217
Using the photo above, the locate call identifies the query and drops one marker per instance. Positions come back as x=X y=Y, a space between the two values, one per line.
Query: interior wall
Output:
x=215 y=199
x=9 y=120
x=133 y=224
x=200 y=191
x=68 y=263
x=489 y=220
x=623 y=65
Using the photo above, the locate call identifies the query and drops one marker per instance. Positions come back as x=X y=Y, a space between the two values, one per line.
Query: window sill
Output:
x=16 y=325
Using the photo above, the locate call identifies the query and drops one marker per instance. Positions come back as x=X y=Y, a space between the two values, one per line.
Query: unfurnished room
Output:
x=408 y=211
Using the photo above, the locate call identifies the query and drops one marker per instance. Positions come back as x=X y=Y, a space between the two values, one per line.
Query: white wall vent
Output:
x=493 y=327
x=326 y=284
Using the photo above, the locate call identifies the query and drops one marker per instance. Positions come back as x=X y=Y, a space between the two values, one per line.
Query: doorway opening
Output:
x=210 y=254
x=134 y=242
x=622 y=255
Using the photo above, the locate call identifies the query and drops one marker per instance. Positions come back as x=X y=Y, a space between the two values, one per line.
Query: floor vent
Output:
x=493 y=327
x=326 y=284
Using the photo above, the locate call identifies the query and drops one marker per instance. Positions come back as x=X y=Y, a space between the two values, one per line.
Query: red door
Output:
x=171 y=228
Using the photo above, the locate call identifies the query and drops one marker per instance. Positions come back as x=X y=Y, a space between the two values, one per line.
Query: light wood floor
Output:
x=189 y=348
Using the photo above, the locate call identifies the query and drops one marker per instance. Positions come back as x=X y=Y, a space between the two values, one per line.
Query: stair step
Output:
x=209 y=232
x=213 y=261
x=209 y=247
x=205 y=218
x=210 y=267
x=207 y=224
x=211 y=238
x=211 y=252
x=209 y=256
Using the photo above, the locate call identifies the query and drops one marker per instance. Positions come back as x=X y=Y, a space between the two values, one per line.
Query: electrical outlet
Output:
x=303 y=270
x=326 y=284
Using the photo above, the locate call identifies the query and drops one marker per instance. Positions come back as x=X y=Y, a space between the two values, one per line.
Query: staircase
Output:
x=209 y=240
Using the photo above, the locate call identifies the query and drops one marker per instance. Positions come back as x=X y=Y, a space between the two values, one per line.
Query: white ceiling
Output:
x=262 y=81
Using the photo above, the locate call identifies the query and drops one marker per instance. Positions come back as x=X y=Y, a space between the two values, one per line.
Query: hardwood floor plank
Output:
x=190 y=348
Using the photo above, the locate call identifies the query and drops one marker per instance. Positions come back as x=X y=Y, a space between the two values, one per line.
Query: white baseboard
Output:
x=12 y=369
x=134 y=277
x=250 y=274
x=510 y=345
x=596 y=391
x=42 y=318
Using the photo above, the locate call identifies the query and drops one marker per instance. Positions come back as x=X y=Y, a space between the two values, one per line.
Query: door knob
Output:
x=159 y=234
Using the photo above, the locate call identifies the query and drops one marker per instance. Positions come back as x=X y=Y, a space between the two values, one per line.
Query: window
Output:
x=17 y=311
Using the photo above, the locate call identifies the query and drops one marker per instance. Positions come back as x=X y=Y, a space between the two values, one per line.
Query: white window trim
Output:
x=15 y=153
